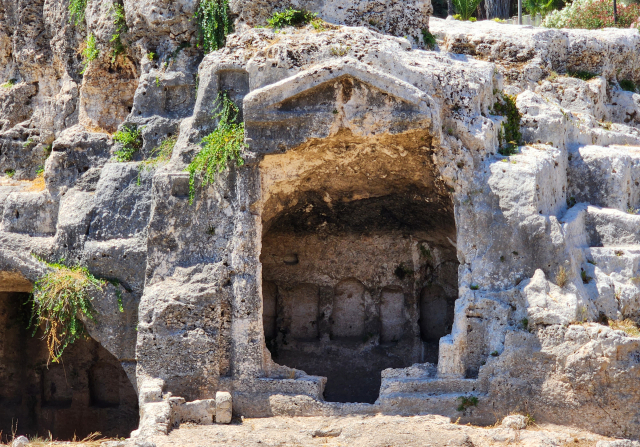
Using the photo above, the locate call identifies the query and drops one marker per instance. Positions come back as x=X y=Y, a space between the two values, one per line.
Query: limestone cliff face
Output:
x=376 y=223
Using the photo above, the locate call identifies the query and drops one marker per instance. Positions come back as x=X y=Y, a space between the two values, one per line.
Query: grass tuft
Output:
x=428 y=39
x=223 y=145
x=290 y=17
x=59 y=299
x=627 y=326
x=562 y=276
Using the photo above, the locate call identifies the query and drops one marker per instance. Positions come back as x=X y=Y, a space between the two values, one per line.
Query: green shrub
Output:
x=582 y=74
x=59 y=299
x=466 y=402
x=428 y=39
x=290 y=17
x=10 y=173
x=120 y=22
x=509 y=135
x=466 y=8
x=90 y=52
x=76 y=11
x=628 y=86
x=221 y=146
x=214 y=24
x=131 y=139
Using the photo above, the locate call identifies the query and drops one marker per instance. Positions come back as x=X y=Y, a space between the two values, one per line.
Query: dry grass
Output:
x=93 y=440
x=627 y=326
x=37 y=184
x=562 y=276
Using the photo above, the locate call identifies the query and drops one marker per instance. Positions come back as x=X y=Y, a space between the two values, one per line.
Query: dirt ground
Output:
x=370 y=431
x=357 y=431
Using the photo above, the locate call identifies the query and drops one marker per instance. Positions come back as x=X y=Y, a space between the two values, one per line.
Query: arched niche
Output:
x=87 y=391
x=353 y=230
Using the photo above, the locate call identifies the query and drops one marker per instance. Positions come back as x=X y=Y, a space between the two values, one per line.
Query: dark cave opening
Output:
x=353 y=287
x=88 y=391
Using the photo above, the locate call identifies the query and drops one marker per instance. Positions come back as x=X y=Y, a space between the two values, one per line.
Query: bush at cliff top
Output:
x=593 y=14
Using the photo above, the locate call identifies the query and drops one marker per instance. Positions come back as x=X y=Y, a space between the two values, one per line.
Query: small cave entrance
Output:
x=359 y=272
x=87 y=392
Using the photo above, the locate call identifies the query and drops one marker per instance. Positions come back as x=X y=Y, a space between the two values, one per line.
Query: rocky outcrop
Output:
x=377 y=230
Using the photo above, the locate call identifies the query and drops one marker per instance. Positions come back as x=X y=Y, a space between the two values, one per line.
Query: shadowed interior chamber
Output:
x=88 y=391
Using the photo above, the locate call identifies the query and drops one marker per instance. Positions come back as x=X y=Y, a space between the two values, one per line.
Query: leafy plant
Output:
x=593 y=14
x=151 y=55
x=474 y=287
x=221 y=146
x=214 y=24
x=10 y=83
x=542 y=7
x=509 y=136
x=582 y=74
x=428 y=39
x=290 y=17
x=120 y=22
x=131 y=139
x=10 y=173
x=467 y=402
x=628 y=86
x=76 y=11
x=525 y=324
x=585 y=278
x=90 y=52
x=465 y=8
x=59 y=299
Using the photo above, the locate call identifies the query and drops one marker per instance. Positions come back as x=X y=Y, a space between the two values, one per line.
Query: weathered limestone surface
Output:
x=374 y=217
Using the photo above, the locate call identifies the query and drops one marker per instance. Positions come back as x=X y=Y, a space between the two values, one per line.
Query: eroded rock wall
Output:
x=374 y=206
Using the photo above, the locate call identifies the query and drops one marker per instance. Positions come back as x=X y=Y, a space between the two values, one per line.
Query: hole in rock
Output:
x=87 y=392
x=357 y=282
